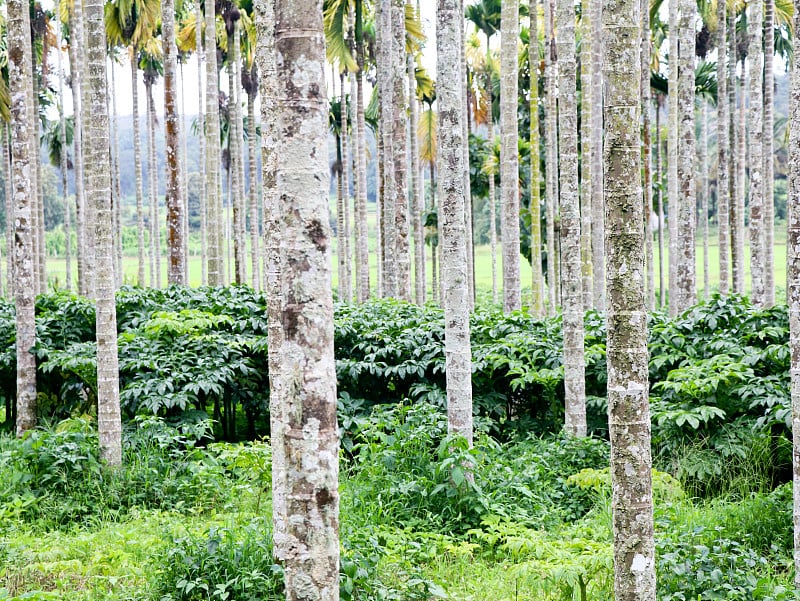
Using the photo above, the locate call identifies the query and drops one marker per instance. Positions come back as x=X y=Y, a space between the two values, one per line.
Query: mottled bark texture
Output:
x=201 y=126
x=76 y=70
x=572 y=301
x=769 y=153
x=737 y=215
x=596 y=158
x=311 y=444
x=537 y=278
x=702 y=159
x=685 y=284
x=647 y=192
x=137 y=168
x=672 y=156
x=362 y=237
x=465 y=126
x=793 y=284
x=509 y=154
x=417 y=200
x=214 y=217
x=252 y=136
x=62 y=140
x=389 y=195
x=551 y=156
x=586 y=152
x=176 y=273
x=723 y=149
x=756 y=160
x=152 y=181
x=98 y=190
x=627 y=356
x=265 y=58
x=399 y=156
x=19 y=76
x=452 y=221
x=345 y=274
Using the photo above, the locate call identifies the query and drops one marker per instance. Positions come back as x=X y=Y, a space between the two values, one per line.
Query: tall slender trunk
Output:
x=273 y=232
x=379 y=220
x=20 y=73
x=117 y=182
x=137 y=167
x=389 y=196
x=341 y=245
x=236 y=185
x=738 y=234
x=647 y=192
x=551 y=165
x=88 y=207
x=362 y=237
x=203 y=136
x=493 y=225
x=152 y=178
x=41 y=262
x=627 y=356
x=345 y=173
x=537 y=279
x=586 y=152
x=509 y=155
x=598 y=202
x=5 y=128
x=453 y=227
x=399 y=157
x=255 y=247
x=660 y=193
x=176 y=273
x=686 y=286
x=98 y=185
x=793 y=285
x=214 y=216
x=76 y=77
x=184 y=173
x=672 y=156
x=569 y=208
x=311 y=444
x=468 y=212
x=758 y=257
x=723 y=156
x=417 y=200
x=769 y=153
x=703 y=159
x=62 y=140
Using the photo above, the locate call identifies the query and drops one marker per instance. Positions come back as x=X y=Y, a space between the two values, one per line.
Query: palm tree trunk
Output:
x=203 y=136
x=62 y=140
x=769 y=153
x=468 y=212
x=152 y=176
x=453 y=227
x=647 y=193
x=509 y=155
x=537 y=279
x=389 y=195
x=255 y=247
x=41 y=263
x=379 y=209
x=399 y=156
x=738 y=232
x=341 y=245
x=672 y=160
x=723 y=157
x=5 y=128
x=569 y=208
x=184 y=172
x=109 y=424
x=176 y=273
x=703 y=158
x=686 y=286
x=660 y=193
x=20 y=73
x=76 y=76
x=755 y=145
x=493 y=225
x=345 y=237
x=116 y=182
x=137 y=167
x=628 y=403
x=362 y=236
x=551 y=166
x=586 y=152
x=598 y=204
x=235 y=190
x=311 y=566
x=214 y=214
x=417 y=200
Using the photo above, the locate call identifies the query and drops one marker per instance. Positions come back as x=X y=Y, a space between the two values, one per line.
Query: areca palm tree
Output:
x=150 y=62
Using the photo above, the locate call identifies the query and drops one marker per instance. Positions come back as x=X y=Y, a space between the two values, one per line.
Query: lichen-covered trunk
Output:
x=389 y=195
x=660 y=201
x=236 y=158
x=627 y=356
x=62 y=140
x=723 y=150
x=20 y=74
x=685 y=276
x=465 y=126
x=152 y=189
x=117 y=181
x=509 y=155
x=596 y=133
x=362 y=236
x=737 y=215
x=137 y=168
x=702 y=157
x=202 y=136
x=98 y=187
x=214 y=216
x=5 y=128
x=537 y=278
x=308 y=374
x=551 y=156
x=586 y=153
x=647 y=192
x=399 y=157
x=756 y=158
x=76 y=78
x=452 y=218
x=344 y=239
x=793 y=284
x=569 y=209
x=41 y=262
x=493 y=229
x=417 y=200
x=341 y=253
x=769 y=153
x=176 y=273
x=672 y=157
x=255 y=247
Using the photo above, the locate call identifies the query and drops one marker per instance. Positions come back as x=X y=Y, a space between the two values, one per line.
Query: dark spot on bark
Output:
x=290 y=319
x=323 y=497
x=317 y=234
